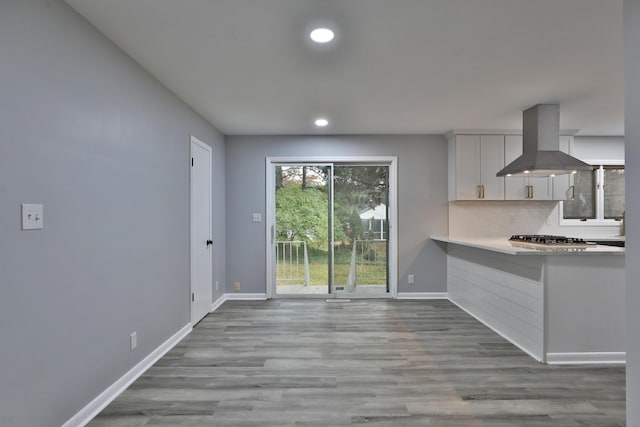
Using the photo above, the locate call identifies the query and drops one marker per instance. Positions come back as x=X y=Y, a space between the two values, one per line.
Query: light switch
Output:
x=32 y=216
x=256 y=217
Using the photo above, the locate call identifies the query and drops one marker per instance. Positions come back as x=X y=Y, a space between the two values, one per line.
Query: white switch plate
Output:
x=411 y=279
x=32 y=216
x=256 y=217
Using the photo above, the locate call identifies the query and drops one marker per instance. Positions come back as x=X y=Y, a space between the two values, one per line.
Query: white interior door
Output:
x=201 y=243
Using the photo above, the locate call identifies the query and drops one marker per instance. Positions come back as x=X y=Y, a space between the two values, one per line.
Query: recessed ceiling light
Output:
x=321 y=35
x=526 y=171
x=574 y=172
x=321 y=122
x=509 y=174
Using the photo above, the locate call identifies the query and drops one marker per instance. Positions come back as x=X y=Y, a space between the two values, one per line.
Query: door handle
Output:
x=209 y=242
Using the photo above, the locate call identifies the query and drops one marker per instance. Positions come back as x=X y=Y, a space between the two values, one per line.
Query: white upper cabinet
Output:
x=473 y=163
x=523 y=188
x=563 y=184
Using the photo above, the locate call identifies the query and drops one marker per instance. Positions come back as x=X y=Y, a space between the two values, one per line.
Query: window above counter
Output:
x=597 y=197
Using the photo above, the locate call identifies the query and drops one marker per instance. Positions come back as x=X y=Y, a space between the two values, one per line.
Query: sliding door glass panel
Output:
x=302 y=229
x=361 y=230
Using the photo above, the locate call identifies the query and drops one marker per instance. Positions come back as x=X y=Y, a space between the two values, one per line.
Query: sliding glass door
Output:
x=330 y=231
x=303 y=229
x=361 y=217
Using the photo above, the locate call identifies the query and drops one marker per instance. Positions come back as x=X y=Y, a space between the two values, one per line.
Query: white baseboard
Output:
x=423 y=295
x=610 y=357
x=238 y=296
x=94 y=407
x=217 y=303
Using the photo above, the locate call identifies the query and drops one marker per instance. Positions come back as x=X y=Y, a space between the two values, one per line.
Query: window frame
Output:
x=599 y=220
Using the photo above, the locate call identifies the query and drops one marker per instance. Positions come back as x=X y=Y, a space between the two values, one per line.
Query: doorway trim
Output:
x=196 y=142
x=270 y=232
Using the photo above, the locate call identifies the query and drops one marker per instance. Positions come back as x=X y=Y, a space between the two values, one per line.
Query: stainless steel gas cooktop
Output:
x=549 y=242
x=546 y=239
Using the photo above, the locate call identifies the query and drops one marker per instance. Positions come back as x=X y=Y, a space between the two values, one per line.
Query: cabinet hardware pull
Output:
x=528 y=192
x=573 y=192
x=479 y=191
x=482 y=186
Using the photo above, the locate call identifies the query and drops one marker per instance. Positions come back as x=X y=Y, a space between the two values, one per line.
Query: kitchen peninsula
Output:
x=559 y=306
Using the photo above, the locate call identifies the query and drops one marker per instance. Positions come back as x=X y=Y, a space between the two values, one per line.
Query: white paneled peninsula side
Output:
x=558 y=306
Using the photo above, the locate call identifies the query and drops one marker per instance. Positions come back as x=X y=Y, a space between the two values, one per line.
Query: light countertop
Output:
x=503 y=245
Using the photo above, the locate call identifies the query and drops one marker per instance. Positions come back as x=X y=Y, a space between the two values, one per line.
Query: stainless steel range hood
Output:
x=541 y=146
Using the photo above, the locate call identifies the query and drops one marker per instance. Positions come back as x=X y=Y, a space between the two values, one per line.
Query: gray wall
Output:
x=105 y=148
x=632 y=170
x=599 y=148
x=422 y=199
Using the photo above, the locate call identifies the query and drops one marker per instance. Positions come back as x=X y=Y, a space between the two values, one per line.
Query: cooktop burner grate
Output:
x=546 y=239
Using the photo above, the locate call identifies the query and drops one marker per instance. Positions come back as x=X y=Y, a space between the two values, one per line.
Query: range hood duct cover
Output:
x=541 y=155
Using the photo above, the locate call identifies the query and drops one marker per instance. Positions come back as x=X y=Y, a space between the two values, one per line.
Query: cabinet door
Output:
x=540 y=188
x=491 y=161
x=562 y=183
x=514 y=186
x=467 y=167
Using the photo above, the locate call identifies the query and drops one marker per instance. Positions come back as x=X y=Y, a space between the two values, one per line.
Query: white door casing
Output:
x=201 y=243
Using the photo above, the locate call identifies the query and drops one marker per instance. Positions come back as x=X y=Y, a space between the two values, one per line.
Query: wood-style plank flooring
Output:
x=367 y=362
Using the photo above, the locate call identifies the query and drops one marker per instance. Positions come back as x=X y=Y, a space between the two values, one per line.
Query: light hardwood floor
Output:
x=373 y=362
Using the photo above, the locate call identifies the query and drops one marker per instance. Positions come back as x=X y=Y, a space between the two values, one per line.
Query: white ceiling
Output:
x=396 y=66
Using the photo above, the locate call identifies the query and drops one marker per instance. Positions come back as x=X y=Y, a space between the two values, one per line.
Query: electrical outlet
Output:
x=411 y=279
x=236 y=286
x=133 y=340
x=256 y=217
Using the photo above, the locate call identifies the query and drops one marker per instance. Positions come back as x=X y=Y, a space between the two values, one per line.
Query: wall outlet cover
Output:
x=32 y=216
x=236 y=286
x=256 y=217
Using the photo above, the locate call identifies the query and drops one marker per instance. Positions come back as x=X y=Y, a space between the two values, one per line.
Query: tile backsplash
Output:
x=504 y=218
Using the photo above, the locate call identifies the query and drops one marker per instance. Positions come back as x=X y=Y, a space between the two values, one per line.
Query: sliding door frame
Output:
x=270 y=232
